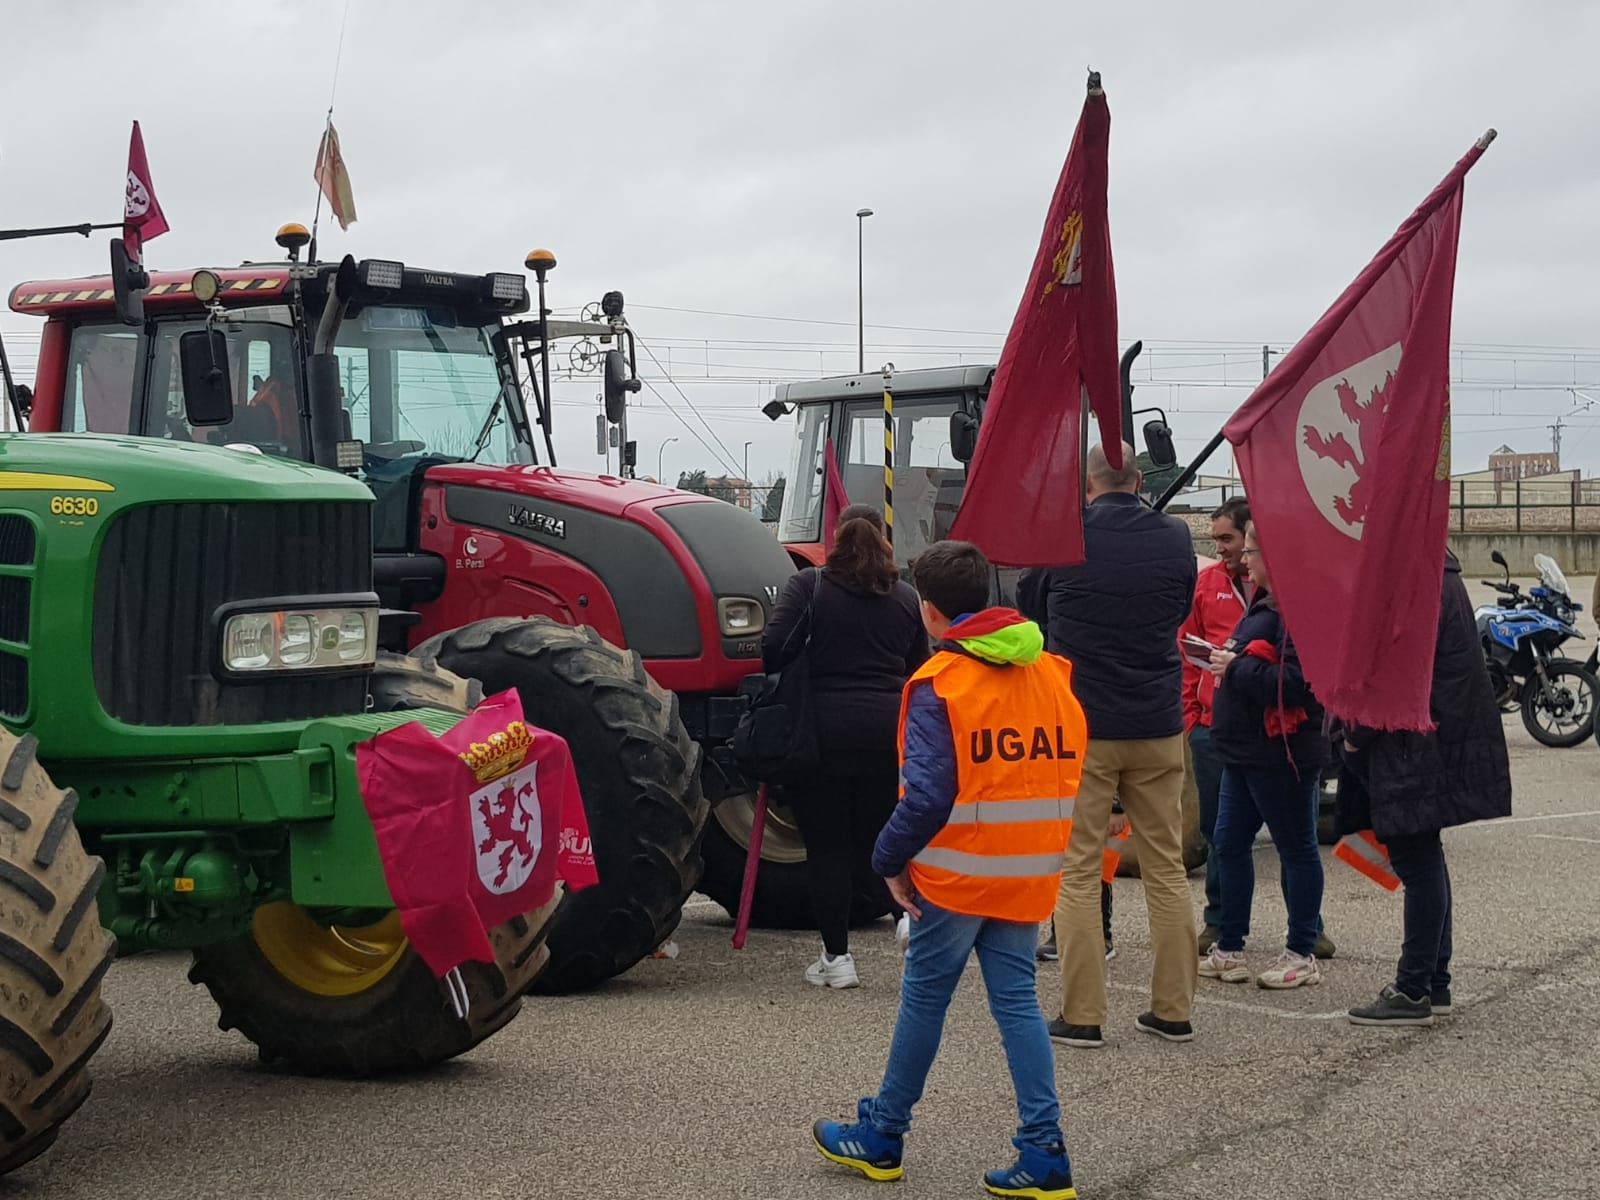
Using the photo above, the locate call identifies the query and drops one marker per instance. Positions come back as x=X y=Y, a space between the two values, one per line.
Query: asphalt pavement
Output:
x=699 y=1076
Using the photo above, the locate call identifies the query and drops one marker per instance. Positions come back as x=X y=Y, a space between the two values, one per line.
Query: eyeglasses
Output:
x=1248 y=551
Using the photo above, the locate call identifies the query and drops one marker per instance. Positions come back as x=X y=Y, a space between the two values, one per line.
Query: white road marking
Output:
x=1556 y=837
x=1261 y=1009
x=1593 y=812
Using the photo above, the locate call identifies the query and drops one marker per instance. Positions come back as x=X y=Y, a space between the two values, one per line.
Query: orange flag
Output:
x=334 y=178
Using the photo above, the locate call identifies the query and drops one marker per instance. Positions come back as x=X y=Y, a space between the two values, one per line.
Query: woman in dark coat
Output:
x=1406 y=787
x=866 y=638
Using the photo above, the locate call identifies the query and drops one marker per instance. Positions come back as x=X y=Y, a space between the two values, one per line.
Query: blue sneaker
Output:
x=876 y=1155
x=1038 y=1175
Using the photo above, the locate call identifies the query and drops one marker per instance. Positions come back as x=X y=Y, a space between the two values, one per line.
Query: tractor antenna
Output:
x=327 y=126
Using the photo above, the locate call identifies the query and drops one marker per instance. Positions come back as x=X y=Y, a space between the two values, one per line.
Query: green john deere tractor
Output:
x=187 y=660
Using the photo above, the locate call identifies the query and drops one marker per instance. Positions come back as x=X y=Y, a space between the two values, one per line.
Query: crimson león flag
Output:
x=834 y=498
x=142 y=218
x=474 y=827
x=1024 y=497
x=1345 y=454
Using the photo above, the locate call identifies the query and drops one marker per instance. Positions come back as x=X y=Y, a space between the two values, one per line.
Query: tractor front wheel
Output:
x=53 y=955
x=344 y=993
x=638 y=771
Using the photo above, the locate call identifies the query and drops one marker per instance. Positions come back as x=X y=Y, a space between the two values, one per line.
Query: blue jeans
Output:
x=1287 y=803
x=1208 y=782
x=941 y=942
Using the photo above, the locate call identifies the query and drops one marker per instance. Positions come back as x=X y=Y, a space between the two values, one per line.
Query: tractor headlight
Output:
x=292 y=637
x=739 y=616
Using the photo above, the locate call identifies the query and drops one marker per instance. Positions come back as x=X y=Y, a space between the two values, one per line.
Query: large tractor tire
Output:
x=53 y=956
x=782 y=898
x=322 y=997
x=638 y=770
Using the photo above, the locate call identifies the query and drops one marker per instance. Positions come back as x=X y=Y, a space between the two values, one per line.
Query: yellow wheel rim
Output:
x=327 y=960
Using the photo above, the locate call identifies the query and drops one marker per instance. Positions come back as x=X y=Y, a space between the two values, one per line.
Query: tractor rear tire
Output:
x=402 y=1019
x=782 y=897
x=638 y=771
x=53 y=956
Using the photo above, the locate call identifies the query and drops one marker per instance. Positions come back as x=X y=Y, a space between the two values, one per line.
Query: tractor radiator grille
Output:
x=164 y=571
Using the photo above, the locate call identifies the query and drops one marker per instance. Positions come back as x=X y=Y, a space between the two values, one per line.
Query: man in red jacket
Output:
x=1221 y=594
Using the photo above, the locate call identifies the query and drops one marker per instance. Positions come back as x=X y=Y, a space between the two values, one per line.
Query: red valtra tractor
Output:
x=624 y=613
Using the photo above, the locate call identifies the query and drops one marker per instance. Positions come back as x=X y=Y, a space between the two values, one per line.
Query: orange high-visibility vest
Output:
x=1367 y=854
x=1019 y=738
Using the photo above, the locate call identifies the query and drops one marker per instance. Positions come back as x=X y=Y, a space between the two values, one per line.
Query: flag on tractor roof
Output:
x=1024 y=497
x=142 y=218
x=1345 y=454
x=474 y=827
x=334 y=178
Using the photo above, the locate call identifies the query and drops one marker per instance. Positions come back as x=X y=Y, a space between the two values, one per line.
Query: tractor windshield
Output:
x=800 y=516
x=417 y=382
x=928 y=481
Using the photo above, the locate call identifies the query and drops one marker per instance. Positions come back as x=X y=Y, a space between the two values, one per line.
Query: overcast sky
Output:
x=711 y=156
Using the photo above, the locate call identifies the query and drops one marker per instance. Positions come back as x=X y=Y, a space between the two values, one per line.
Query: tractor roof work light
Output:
x=205 y=285
x=505 y=286
x=540 y=261
x=775 y=410
x=381 y=273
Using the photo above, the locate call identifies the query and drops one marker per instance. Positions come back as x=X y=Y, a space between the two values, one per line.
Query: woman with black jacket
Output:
x=865 y=639
x=1267 y=728
x=1406 y=787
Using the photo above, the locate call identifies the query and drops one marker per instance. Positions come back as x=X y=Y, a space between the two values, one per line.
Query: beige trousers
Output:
x=1147 y=776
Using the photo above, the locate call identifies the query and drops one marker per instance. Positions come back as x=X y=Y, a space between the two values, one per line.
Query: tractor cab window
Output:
x=101 y=364
x=264 y=367
x=928 y=481
x=419 y=384
x=800 y=515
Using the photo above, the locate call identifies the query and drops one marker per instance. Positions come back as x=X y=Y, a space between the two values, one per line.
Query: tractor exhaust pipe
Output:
x=324 y=403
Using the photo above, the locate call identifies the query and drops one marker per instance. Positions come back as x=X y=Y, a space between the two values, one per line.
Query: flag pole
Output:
x=327 y=130
x=888 y=454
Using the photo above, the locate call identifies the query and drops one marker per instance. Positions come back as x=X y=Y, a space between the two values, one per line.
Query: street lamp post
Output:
x=659 y=453
x=861 y=291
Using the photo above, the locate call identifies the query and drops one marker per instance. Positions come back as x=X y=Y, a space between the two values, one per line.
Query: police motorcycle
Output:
x=1521 y=634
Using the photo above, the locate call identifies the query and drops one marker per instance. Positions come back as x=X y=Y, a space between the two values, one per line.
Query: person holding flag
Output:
x=1345 y=454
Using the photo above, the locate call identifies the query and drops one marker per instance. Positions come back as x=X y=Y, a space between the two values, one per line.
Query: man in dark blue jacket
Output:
x=1115 y=617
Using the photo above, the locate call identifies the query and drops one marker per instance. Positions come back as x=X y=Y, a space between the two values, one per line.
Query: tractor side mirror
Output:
x=618 y=383
x=128 y=281
x=963 y=436
x=207 y=388
x=1158 y=443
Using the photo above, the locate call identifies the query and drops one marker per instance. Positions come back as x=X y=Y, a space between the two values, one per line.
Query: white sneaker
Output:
x=1291 y=971
x=1226 y=965
x=902 y=931
x=837 y=972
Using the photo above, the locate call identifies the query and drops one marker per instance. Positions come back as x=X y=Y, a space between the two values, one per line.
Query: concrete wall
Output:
x=1575 y=553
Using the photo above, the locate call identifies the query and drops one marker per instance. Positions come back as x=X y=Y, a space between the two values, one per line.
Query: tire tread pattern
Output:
x=52 y=1015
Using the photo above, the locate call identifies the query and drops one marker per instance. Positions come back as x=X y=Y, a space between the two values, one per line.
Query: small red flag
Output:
x=1345 y=454
x=834 y=498
x=1024 y=498
x=142 y=218
x=474 y=827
